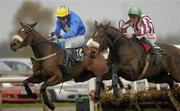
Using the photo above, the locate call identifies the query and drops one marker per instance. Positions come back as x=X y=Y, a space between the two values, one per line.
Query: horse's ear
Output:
x=32 y=59
x=101 y=24
x=21 y=23
x=33 y=25
x=108 y=24
x=96 y=23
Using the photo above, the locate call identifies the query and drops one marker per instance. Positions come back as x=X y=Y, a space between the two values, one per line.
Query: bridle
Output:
x=105 y=38
x=29 y=34
x=32 y=43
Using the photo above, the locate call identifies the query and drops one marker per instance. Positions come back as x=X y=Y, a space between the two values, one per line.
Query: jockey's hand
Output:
x=51 y=34
x=128 y=35
x=59 y=36
x=51 y=38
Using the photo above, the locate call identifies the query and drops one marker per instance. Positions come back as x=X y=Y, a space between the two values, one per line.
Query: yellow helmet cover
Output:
x=62 y=11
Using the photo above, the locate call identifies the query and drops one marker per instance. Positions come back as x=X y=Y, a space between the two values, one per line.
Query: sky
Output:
x=164 y=13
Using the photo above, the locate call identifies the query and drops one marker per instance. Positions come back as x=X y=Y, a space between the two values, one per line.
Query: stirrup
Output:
x=153 y=52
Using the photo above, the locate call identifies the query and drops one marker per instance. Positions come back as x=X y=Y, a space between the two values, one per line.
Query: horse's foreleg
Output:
x=99 y=85
x=53 y=80
x=26 y=82
x=114 y=79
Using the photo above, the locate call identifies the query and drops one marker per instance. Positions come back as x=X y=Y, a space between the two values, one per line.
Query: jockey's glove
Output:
x=56 y=37
x=51 y=34
x=59 y=36
x=52 y=38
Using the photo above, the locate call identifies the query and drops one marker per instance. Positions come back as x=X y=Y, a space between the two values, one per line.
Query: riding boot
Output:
x=68 y=60
x=153 y=51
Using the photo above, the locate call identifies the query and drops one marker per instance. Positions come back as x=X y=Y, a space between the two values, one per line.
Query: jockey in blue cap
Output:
x=73 y=28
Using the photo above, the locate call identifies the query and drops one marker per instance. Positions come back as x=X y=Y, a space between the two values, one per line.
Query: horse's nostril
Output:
x=13 y=44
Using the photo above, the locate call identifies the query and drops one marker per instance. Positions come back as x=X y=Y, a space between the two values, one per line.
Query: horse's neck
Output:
x=115 y=35
x=40 y=45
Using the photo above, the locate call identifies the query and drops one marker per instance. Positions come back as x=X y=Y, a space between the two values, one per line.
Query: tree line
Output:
x=33 y=11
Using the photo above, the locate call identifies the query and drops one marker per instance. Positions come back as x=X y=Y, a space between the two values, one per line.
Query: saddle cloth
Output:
x=76 y=55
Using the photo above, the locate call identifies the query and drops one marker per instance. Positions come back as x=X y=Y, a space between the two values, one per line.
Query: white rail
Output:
x=12 y=79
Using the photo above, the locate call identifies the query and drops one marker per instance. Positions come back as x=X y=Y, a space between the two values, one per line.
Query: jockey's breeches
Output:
x=74 y=42
x=150 y=37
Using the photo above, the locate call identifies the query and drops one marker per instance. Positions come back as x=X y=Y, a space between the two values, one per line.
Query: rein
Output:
x=29 y=33
x=44 y=41
x=111 y=43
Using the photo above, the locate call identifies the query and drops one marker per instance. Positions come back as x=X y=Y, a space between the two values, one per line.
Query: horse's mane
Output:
x=115 y=30
x=36 y=32
x=39 y=34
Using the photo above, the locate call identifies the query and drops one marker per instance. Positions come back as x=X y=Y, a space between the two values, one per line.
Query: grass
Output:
x=38 y=104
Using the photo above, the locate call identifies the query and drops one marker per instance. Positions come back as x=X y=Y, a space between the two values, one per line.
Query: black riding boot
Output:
x=152 y=50
x=68 y=60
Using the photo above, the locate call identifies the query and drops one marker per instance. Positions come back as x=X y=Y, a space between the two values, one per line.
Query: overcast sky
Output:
x=164 y=13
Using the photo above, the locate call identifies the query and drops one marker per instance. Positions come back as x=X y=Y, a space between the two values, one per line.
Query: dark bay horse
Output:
x=128 y=58
x=48 y=56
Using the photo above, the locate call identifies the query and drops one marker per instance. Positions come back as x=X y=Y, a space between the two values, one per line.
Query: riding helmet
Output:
x=62 y=11
x=135 y=11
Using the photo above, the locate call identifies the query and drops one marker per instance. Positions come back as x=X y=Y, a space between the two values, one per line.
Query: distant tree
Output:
x=30 y=12
x=91 y=28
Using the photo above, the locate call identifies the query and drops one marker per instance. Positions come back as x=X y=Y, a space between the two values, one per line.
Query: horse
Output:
x=130 y=61
x=48 y=59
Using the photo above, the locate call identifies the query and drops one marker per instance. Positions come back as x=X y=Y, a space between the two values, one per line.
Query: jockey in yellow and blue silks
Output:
x=72 y=25
x=74 y=30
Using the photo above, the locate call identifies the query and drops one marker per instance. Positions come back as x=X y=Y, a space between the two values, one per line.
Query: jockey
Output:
x=73 y=29
x=143 y=27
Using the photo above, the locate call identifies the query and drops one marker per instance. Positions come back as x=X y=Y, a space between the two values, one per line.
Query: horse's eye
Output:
x=22 y=30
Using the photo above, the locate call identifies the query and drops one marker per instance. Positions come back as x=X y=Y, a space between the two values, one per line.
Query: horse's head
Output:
x=23 y=36
x=107 y=36
x=100 y=35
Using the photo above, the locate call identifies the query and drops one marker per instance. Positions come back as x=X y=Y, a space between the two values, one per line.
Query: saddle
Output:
x=157 y=56
x=147 y=47
x=73 y=56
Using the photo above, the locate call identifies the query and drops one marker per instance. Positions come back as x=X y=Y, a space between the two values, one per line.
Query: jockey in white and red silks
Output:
x=142 y=25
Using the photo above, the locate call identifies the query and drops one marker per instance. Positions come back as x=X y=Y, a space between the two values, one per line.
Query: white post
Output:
x=146 y=85
x=158 y=87
x=135 y=86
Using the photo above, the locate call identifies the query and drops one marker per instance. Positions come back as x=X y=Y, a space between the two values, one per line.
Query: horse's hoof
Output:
x=51 y=106
x=34 y=96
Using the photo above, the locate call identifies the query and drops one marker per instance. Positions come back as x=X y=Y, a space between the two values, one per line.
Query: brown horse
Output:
x=48 y=57
x=128 y=58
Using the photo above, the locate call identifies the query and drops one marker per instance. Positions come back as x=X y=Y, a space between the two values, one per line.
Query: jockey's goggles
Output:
x=62 y=18
x=132 y=16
